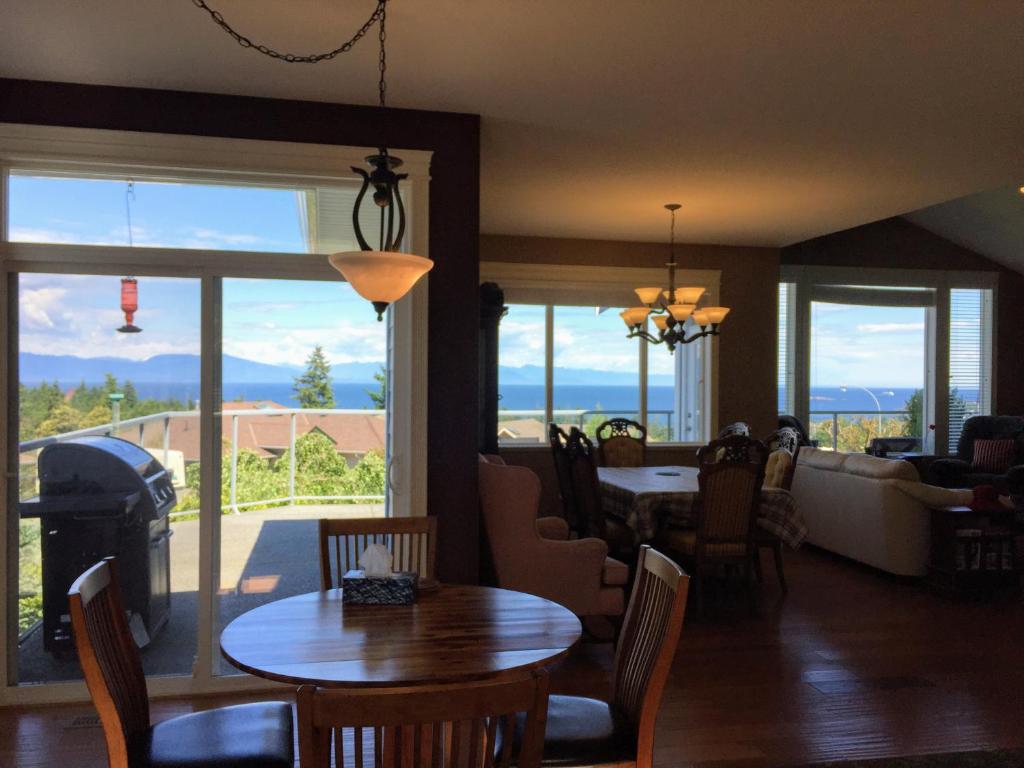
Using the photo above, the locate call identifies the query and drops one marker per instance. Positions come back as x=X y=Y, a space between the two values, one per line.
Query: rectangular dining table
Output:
x=645 y=498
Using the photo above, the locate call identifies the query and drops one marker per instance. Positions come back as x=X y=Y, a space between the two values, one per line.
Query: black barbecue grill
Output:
x=102 y=496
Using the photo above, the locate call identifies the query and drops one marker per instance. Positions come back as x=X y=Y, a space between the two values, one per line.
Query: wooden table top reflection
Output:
x=451 y=634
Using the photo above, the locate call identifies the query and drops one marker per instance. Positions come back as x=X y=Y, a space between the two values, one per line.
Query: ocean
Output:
x=531 y=397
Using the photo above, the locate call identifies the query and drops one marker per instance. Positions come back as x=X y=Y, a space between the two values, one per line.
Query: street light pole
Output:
x=878 y=405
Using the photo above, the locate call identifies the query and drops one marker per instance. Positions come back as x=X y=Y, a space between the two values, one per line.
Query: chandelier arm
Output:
x=363 y=245
x=649 y=338
x=397 y=244
x=292 y=58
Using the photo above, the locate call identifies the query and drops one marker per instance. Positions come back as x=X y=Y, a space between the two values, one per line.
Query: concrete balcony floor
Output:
x=265 y=555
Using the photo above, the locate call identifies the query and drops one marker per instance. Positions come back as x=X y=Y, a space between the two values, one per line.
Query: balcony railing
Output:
x=580 y=417
x=877 y=423
x=143 y=425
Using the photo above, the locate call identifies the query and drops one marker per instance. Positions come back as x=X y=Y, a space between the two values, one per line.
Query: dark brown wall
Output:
x=454 y=229
x=898 y=243
x=747 y=347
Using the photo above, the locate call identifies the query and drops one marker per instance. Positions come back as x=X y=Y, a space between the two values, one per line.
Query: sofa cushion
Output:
x=862 y=465
x=820 y=459
x=993 y=456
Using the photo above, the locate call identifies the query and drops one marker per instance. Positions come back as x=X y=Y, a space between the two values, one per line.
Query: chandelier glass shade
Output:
x=670 y=309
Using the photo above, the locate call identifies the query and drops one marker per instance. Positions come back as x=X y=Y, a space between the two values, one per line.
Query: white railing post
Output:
x=233 y=503
x=167 y=443
x=291 y=459
x=142 y=434
x=835 y=431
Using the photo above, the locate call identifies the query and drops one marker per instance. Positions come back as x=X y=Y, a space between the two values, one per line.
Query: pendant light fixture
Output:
x=670 y=309
x=380 y=273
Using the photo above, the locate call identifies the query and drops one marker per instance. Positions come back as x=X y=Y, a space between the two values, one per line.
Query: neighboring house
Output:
x=269 y=434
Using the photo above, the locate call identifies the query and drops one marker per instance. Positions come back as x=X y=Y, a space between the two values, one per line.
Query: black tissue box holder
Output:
x=397 y=589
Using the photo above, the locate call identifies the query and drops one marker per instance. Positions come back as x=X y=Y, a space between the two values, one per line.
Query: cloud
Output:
x=890 y=327
x=39 y=306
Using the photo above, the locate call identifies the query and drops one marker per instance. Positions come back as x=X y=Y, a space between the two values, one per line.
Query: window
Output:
x=970 y=358
x=260 y=380
x=564 y=356
x=861 y=359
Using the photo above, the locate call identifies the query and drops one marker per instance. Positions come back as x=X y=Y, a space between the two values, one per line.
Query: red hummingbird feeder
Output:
x=129 y=304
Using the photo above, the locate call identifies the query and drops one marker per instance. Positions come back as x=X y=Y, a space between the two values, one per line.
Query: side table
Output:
x=973 y=553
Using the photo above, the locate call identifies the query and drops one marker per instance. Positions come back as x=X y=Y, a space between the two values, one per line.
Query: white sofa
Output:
x=869 y=509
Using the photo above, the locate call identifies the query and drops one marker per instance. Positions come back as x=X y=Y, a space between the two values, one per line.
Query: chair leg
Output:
x=777 y=550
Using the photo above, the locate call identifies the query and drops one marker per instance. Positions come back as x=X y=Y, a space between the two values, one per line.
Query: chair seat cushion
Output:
x=581 y=731
x=614 y=574
x=243 y=736
x=685 y=542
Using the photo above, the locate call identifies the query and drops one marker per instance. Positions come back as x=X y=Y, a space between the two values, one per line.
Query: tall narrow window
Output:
x=787 y=307
x=970 y=350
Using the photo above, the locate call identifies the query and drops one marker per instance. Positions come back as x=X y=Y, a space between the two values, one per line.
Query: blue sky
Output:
x=279 y=321
x=273 y=321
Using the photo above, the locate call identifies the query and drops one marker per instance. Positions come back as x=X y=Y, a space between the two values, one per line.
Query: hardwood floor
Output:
x=851 y=664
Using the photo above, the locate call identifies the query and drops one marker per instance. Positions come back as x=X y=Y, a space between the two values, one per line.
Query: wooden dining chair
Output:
x=622 y=443
x=559 y=442
x=412 y=542
x=587 y=494
x=730 y=480
x=620 y=732
x=242 y=736
x=449 y=726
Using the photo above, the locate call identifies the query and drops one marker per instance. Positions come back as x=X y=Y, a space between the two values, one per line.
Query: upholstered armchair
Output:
x=537 y=556
x=1000 y=464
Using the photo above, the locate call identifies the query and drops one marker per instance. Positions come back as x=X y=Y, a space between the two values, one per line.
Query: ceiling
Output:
x=990 y=223
x=771 y=122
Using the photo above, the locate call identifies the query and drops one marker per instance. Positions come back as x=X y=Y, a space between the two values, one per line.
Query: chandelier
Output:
x=380 y=273
x=670 y=309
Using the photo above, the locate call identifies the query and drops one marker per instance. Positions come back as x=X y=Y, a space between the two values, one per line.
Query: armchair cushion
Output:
x=554 y=528
x=684 y=541
x=615 y=573
x=993 y=456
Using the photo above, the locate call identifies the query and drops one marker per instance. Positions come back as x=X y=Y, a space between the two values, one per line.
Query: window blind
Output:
x=969 y=357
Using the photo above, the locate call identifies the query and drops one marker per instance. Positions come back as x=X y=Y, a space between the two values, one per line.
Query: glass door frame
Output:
x=242 y=161
x=811 y=283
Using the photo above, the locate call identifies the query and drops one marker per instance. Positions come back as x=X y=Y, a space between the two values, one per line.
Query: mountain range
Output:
x=69 y=370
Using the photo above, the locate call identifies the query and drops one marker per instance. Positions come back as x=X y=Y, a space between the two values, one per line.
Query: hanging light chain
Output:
x=129 y=196
x=383 y=58
x=292 y=58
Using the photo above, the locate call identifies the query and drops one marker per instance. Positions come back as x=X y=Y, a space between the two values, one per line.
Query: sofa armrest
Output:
x=932 y=496
x=554 y=528
x=946 y=473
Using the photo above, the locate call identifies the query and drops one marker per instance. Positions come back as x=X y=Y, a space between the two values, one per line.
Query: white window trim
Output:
x=559 y=284
x=806 y=277
x=239 y=161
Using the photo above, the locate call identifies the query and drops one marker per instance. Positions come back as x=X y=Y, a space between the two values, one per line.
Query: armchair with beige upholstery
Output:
x=537 y=556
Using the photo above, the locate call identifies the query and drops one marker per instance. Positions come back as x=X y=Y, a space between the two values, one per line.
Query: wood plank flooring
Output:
x=851 y=664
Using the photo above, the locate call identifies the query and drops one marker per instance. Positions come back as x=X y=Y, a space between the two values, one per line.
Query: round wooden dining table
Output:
x=450 y=634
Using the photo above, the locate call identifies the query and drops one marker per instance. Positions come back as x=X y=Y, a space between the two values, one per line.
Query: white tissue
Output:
x=376 y=562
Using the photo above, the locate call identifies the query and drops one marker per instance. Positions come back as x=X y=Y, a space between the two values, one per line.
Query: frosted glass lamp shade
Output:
x=661 y=321
x=689 y=294
x=680 y=311
x=716 y=314
x=635 y=315
x=648 y=295
x=381 y=277
x=700 y=317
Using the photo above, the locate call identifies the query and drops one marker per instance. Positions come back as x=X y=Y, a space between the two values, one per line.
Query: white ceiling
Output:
x=771 y=121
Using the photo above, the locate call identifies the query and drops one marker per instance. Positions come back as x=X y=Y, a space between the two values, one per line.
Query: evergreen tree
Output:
x=380 y=397
x=313 y=388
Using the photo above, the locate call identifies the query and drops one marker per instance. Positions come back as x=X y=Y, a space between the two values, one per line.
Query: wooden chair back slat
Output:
x=559 y=441
x=412 y=542
x=647 y=644
x=110 y=660
x=450 y=726
x=586 y=486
